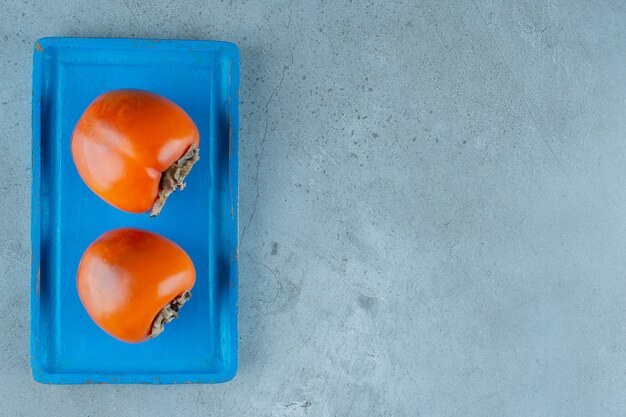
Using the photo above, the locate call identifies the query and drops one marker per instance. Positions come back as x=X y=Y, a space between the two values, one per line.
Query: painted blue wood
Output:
x=201 y=345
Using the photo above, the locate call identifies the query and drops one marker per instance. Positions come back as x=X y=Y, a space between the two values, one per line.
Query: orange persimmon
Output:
x=133 y=148
x=132 y=282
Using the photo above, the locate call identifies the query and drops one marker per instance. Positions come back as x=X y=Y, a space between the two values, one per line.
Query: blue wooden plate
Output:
x=201 y=345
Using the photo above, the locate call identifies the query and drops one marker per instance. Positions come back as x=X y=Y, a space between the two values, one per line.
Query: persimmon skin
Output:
x=127 y=276
x=125 y=140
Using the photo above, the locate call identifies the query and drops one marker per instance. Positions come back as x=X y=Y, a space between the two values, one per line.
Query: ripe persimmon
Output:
x=132 y=282
x=133 y=148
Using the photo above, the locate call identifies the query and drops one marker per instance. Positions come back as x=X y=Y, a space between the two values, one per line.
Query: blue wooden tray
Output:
x=201 y=345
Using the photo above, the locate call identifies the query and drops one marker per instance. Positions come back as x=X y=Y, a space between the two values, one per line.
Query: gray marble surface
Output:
x=433 y=207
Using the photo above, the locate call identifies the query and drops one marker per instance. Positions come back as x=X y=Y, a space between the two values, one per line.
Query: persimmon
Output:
x=133 y=148
x=132 y=282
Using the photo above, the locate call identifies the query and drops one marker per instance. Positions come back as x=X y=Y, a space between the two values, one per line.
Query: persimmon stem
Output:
x=168 y=313
x=174 y=177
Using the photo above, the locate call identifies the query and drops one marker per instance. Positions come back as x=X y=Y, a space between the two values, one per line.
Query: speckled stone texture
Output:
x=433 y=207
